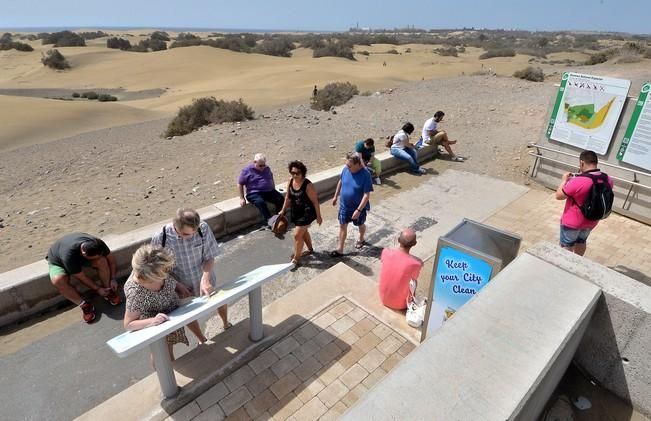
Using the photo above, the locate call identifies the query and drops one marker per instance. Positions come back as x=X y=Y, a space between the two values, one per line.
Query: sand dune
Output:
x=186 y=73
x=27 y=121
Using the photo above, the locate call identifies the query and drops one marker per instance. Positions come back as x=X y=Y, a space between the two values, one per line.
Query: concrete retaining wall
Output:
x=503 y=353
x=616 y=347
x=500 y=357
x=27 y=290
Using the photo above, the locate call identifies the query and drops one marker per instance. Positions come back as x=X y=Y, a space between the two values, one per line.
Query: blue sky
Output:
x=336 y=15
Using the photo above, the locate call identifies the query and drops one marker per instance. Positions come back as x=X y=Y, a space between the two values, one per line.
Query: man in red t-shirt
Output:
x=397 y=269
x=575 y=228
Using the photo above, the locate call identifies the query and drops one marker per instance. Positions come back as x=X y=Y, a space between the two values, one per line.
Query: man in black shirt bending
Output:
x=66 y=259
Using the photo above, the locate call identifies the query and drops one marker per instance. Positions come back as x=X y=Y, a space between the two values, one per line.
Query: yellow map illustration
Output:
x=584 y=115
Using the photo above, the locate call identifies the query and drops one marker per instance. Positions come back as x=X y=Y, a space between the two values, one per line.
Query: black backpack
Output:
x=599 y=202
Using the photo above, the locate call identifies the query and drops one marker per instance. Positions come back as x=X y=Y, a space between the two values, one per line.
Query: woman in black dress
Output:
x=303 y=201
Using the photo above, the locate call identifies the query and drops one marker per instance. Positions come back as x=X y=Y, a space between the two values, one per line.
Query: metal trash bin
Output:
x=467 y=258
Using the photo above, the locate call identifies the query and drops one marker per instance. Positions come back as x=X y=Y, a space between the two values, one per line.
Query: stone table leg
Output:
x=255 y=315
x=164 y=369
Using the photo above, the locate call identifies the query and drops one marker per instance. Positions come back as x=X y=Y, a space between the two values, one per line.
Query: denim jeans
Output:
x=260 y=199
x=408 y=155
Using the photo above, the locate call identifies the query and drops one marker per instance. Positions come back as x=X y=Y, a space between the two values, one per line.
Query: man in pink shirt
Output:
x=398 y=268
x=574 y=189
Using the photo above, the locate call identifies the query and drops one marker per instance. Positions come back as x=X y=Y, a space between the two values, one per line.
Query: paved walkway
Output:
x=316 y=372
x=618 y=242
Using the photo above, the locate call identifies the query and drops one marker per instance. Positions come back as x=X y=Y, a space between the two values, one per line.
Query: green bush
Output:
x=364 y=53
x=106 y=98
x=451 y=52
x=392 y=51
x=93 y=35
x=499 y=52
x=90 y=95
x=186 y=36
x=335 y=49
x=5 y=38
x=597 y=58
x=64 y=39
x=157 y=45
x=313 y=41
x=55 y=60
x=159 y=36
x=188 y=43
x=281 y=47
x=75 y=95
x=205 y=111
x=118 y=43
x=334 y=94
x=15 y=45
x=534 y=74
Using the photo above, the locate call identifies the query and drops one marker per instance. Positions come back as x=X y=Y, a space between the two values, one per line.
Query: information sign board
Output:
x=586 y=111
x=636 y=146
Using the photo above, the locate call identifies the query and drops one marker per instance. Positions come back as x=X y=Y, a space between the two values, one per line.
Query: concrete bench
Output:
x=501 y=355
x=154 y=337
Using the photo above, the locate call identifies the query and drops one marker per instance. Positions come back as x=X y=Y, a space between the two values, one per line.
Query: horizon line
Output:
x=262 y=30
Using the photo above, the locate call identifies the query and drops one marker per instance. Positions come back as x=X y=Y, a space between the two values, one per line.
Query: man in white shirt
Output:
x=433 y=136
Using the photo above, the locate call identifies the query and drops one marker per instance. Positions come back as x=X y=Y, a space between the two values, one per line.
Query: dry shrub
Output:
x=534 y=74
x=446 y=52
x=55 y=60
x=333 y=95
x=205 y=111
x=498 y=52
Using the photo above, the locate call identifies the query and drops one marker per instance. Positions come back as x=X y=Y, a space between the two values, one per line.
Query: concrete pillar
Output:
x=255 y=315
x=164 y=369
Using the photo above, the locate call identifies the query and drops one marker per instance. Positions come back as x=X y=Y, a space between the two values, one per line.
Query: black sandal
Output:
x=335 y=253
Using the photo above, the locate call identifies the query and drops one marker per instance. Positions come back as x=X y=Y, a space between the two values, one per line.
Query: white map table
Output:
x=154 y=337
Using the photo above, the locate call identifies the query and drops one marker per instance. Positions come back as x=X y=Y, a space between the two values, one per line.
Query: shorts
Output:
x=346 y=216
x=56 y=270
x=570 y=236
x=434 y=140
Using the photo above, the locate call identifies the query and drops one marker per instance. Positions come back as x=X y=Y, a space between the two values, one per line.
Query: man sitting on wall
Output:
x=258 y=180
x=66 y=259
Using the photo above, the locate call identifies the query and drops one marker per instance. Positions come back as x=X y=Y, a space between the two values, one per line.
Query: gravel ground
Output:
x=113 y=180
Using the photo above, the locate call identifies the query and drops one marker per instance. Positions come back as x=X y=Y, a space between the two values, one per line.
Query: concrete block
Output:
x=616 y=346
x=520 y=332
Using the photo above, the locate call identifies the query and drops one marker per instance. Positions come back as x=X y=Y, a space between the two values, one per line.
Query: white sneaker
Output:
x=422 y=170
x=378 y=181
x=457 y=158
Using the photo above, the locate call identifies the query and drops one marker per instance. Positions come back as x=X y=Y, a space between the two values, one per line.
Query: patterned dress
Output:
x=149 y=303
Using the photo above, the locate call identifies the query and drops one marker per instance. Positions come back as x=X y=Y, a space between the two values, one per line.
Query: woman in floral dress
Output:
x=152 y=292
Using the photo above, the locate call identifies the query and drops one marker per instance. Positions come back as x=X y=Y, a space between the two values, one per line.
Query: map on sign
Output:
x=586 y=111
x=636 y=145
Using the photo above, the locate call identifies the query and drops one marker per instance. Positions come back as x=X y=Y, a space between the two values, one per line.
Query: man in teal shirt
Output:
x=366 y=148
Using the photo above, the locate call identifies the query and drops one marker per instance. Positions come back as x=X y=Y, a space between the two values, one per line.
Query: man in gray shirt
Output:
x=194 y=247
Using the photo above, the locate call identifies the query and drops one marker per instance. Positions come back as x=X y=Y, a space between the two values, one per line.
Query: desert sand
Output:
x=186 y=73
x=103 y=167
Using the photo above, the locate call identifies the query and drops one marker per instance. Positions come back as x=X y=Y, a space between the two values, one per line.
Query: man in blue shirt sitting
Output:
x=355 y=187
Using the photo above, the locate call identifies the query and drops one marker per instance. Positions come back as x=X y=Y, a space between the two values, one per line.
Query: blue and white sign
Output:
x=458 y=277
